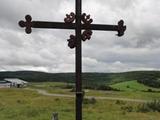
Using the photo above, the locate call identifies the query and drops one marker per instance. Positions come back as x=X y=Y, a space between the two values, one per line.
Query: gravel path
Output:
x=44 y=92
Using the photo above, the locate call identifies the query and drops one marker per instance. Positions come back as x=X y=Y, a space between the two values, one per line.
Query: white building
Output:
x=5 y=84
x=13 y=82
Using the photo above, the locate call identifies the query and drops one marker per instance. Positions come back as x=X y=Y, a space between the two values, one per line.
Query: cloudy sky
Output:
x=47 y=50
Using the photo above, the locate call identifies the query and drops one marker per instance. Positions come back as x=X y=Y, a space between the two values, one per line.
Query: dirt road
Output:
x=43 y=92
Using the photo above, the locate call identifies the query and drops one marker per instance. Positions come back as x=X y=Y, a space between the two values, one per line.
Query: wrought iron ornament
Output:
x=27 y=24
x=69 y=18
x=72 y=41
x=121 y=28
x=69 y=24
x=86 y=22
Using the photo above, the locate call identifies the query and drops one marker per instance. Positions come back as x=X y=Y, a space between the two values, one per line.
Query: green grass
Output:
x=56 y=87
x=132 y=86
x=21 y=104
x=51 y=87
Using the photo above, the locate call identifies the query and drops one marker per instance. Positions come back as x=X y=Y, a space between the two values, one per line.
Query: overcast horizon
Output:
x=47 y=50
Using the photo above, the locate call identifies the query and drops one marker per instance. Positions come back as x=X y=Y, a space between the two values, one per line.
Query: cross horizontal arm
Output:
x=120 y=28
x=61 y=25
x=103 y=27
x=51 y=25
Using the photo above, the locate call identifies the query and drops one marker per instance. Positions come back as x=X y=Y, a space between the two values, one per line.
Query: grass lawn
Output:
x=52 y=87
x=132 y=86
x=134 y=92
x=21 y=104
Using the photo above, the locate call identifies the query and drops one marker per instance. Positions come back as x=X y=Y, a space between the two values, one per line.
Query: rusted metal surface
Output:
x=69 y=18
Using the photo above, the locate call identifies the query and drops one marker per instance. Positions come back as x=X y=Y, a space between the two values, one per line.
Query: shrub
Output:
x=56 y=99
x=120 y=102
x=143 y=108
x=127 y=108
x=128 y=86
x=153 y=106
x=73 y=90
x=149 y=90
x=89 y=100
x=99 y=87
x=69 y=86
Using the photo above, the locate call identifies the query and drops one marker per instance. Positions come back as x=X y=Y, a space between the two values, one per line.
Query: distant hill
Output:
x=150 y=78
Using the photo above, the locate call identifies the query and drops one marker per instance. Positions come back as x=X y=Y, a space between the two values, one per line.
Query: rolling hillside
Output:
x=88 y=78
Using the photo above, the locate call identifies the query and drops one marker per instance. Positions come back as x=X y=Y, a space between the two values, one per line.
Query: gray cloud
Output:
x=47 y=50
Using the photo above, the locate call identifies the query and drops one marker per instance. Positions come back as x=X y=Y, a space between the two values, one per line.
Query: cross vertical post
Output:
x=78 y=61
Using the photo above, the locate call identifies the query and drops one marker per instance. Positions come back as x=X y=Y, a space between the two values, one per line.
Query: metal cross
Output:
x=82 y=22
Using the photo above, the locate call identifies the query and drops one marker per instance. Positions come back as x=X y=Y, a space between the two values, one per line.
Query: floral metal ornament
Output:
x=69 y=18
x=71 y=41
x=86 y=22
x=27 y=24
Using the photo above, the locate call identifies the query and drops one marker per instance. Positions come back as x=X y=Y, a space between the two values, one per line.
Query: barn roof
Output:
x=15 y=80
x=4 y=82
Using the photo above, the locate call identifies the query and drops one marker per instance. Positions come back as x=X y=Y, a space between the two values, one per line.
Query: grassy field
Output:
x=134 y=92
x=19 y=104
x=22 y=104
x=132 y=86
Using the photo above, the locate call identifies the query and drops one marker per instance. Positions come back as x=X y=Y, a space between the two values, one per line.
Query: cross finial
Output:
x=121 y=28
x=27 y=24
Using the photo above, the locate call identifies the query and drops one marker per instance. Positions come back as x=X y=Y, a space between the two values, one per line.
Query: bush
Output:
x=151 y=81
x=89 y=100
x=57 y=99
x=104 y=87
x=153 y=106
x=69 y=86
x=120 y=102
x=73 y=90
x=149 y=90
x=127 y=108
x=143 y=108
x=99 y=87
x=128 y=86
